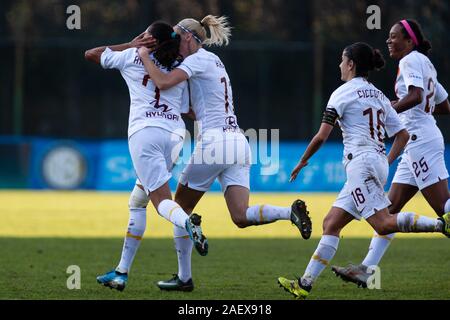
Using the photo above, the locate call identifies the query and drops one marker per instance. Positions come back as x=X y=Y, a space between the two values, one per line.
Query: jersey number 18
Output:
x=380 y=123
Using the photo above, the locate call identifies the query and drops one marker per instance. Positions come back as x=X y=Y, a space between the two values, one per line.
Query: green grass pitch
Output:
x=235 y=269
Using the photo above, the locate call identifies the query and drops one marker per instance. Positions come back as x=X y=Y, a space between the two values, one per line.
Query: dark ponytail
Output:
x=167 y=51
x=365 y=58
x=378 y=60
x=424 y=45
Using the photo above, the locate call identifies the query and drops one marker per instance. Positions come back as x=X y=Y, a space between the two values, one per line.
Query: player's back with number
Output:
x=207 y=74
x=149 y=106
x=365 y=116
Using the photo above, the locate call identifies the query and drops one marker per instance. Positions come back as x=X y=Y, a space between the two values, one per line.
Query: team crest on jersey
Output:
x=231 y=121
x=231 y=124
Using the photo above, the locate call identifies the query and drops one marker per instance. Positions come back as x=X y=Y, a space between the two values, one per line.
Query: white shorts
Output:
x=363 y=193
x=225 y=156
x=422 y=166
x=154 y=152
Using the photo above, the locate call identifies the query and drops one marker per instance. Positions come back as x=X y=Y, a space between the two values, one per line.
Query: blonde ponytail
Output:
x=220 y=31
x=218 y=27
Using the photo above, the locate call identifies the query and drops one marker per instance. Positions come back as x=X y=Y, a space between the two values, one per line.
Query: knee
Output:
x=386 y=227
x=138 y=198
x=239 y=220
x=382 y=230
x=394 y=208
x=329 y=228
x=240 y=223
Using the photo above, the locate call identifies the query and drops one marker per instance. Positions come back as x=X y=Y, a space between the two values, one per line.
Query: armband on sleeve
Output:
x=330 y=116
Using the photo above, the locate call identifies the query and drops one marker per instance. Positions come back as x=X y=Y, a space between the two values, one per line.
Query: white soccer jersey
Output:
x=149 y=106
x=365 y=117
x=211 y=93
x=415 y=69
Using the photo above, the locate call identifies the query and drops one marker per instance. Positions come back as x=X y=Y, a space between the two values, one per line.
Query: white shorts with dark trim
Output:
x=225 y=156
x=422 y=166
x=363 y=193
x=154 y=152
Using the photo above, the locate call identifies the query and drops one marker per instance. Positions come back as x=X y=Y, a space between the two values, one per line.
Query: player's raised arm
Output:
x=142 y=40
x=315 y=144
x=162 y=80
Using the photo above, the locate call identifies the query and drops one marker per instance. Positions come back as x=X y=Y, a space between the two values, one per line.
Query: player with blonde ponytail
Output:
x=217 y=27
x=220 y=135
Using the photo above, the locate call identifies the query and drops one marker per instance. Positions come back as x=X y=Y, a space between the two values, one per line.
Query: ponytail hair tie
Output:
x=410 y=31
x=173 y=35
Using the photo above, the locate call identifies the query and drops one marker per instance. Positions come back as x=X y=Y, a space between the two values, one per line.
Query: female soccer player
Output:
x=155 y=137
x=365 y=117
x=422 y=166
x=222 y=151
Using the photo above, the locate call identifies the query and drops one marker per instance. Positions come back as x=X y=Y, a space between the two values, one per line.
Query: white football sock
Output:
x=172 y=211
x=447 y=206
x=265 y=213
x=321 y=258
x=183 y=246
x=136 y=229
x=411 y=222
x=377 y=248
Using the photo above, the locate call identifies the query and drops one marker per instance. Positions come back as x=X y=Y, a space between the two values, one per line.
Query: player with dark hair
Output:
x=155 y=138
x=365 y=117
x=221 y=151
x=422 y=166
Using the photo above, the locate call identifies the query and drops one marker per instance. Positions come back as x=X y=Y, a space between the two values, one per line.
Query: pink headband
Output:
x=410 y=31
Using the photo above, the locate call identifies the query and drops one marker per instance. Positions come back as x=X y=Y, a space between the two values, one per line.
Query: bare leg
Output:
x=399 y=195
x=237 y=199
x=160 y=194
x=166 y=207
x=187 y=198
x=437 y=195
x=385 y=223
x=335 y=221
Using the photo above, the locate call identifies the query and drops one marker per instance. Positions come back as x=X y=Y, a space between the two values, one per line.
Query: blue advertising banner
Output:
x=107 y=165
x=115 y=168
x=63 y=164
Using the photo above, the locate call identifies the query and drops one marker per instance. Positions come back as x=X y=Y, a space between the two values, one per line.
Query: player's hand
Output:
x=190 y=114
x=145 y=39
x=300 y=165
x=393 y=102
